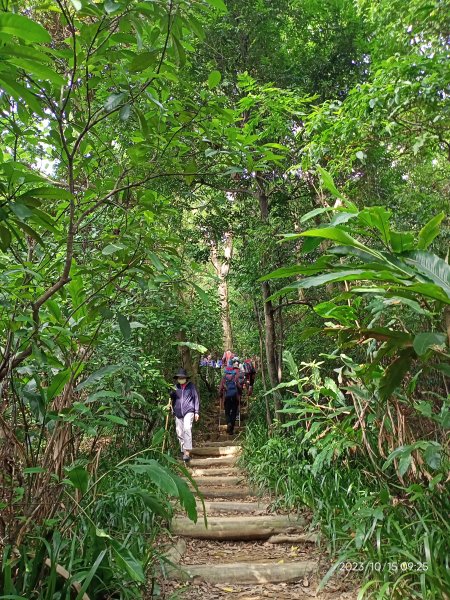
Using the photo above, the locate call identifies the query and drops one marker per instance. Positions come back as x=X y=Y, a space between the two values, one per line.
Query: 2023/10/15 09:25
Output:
x=393 y=566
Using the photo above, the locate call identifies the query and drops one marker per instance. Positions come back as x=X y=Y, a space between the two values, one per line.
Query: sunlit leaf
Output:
x=214 y=79
x=23 y=28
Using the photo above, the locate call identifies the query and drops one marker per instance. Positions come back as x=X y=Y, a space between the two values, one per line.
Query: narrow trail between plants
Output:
x=247 y=550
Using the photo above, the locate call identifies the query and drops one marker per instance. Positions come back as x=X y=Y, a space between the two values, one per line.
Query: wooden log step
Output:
x=213 y=461
x=227 y=481
x=237 y=428
x=223 y=443
x=210 y=471
x=250 y=527
x=246 y=573
x=213 y=451
x=233 y=507
x=235 y=493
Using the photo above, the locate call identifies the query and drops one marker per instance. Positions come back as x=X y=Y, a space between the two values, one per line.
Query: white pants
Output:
x=183 y=427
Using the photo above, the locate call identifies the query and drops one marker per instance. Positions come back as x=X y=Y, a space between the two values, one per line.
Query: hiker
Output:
x=229 y=388
x=185 y=407
x=227 y=356
x=250 y=374
x=240 y=375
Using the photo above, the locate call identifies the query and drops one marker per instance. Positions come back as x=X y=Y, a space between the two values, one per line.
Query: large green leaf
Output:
x=124 y=325
x=424 y=341
x=346 y=250
x=345 y=275
x=155 y=260
x=430 y=231
x=395 y=373
x=219 y=4
x=113 y=248
x=187 y=498
x=377 y=217
x=115 y=419
x=335 y=234
x=143 y=61
x=20 y=93
x=79 y=478
x=55 y=193
x=201 y=294
x=23 y=28
x=319 y=265
x=158 y=474
x=402 y=241
x=151 y=502
x=214 y=79
x=313 y=213
x=39 y=71
x=5 y=238
x=97 y=376
x=429 y=290
x=9 y=50
x=328 y=183
x=433 y=267
x=57 y=384
x=90 y=575
x=128 y=562
x=433 y=455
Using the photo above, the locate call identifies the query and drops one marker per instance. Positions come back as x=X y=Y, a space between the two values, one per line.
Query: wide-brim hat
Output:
x=181 y=373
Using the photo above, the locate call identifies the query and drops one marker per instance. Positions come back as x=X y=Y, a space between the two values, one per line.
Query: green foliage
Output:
x=143 y=141
x=369 y=503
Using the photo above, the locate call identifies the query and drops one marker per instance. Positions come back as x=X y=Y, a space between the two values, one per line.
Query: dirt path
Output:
x=247 y=551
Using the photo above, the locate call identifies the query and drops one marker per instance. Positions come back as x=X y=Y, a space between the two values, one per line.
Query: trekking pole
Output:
x=166 y=425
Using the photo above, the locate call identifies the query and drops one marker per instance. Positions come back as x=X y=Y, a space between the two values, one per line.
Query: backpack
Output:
x=248 y=367
x=230 y=386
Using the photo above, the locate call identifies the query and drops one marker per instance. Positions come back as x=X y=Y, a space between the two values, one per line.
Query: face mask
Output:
x=182 y=381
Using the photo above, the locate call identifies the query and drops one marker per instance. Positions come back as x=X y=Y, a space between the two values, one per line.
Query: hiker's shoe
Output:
x=229 y=428
x=186 y=459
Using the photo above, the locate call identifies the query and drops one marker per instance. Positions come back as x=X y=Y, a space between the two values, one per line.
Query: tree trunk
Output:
x=225 y=314
x=447 y=322
x=269 y=321
x=270 y=337
x=222 y=267
x=269 y=420
x=280 y=341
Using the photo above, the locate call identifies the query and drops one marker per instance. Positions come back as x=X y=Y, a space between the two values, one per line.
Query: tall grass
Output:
x=395 y=535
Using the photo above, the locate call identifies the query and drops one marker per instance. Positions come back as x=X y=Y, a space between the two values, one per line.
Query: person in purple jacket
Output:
x=186 y=408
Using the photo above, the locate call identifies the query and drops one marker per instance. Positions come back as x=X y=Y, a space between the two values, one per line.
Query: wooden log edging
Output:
x=247 y=573
x=237 y=527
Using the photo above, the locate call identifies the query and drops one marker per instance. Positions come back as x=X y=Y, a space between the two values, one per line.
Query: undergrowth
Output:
x=393 y=532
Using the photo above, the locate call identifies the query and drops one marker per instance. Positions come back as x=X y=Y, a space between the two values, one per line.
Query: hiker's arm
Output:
x=196 y=403
x=173 y=399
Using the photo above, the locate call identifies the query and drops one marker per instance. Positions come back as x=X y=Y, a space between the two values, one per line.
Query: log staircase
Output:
x=235 y=514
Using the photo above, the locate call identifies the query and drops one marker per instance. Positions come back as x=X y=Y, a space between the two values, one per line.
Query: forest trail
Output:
x=248 y=550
